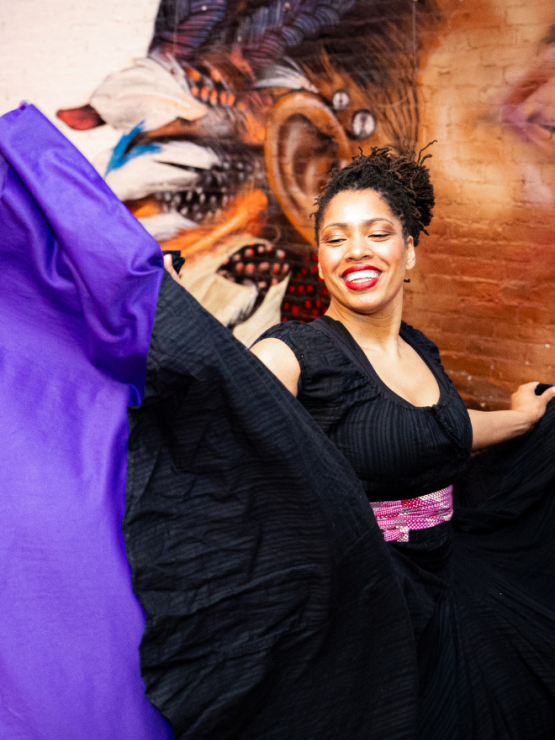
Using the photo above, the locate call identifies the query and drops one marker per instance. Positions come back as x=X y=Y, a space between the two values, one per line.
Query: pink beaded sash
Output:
x=397 y=518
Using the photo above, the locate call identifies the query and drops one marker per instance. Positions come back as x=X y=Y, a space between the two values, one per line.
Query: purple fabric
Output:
x=79 y=279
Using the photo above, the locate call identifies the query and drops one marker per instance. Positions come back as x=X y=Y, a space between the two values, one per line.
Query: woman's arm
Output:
x=491 y=427
x=281 y=360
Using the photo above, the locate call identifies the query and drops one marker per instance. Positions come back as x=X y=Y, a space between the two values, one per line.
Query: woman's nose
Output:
x=358 y=247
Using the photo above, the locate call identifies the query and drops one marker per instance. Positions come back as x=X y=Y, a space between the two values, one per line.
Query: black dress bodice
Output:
x=398 y=450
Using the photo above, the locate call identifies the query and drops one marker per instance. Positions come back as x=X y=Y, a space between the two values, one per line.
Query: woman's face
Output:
x=362 y=253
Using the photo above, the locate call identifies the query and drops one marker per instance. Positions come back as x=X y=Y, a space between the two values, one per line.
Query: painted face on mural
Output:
x=231 y=127
x=484 y=284
x=489 y=86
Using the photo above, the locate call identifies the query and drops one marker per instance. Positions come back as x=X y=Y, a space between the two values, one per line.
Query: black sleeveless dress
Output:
x=396 y=449
x=275 y=609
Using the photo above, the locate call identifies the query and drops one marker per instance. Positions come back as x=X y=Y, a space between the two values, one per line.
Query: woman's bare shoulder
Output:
x=280 y=359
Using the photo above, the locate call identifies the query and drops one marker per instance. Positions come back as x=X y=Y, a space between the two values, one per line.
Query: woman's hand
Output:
x=492 y=427
x=532 y=407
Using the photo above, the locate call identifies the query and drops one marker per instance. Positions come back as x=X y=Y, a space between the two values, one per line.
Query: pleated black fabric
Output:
x=275 y=610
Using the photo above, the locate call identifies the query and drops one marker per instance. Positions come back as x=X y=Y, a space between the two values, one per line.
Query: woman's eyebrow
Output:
x=341 y=225
x=337 y=224
x=374 y=220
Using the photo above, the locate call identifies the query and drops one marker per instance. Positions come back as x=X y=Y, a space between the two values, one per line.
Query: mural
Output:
x=232 y=122
x=231 y=125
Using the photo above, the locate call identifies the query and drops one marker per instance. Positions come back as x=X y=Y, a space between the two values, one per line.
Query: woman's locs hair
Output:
x=403 y=181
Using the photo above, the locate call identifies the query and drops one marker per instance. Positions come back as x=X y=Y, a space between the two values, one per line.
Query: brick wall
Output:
x=483 y=284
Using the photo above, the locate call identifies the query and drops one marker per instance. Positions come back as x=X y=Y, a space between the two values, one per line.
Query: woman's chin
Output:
x=361 y=304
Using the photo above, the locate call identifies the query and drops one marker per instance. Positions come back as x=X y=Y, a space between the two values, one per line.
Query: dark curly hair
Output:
x=403 y=182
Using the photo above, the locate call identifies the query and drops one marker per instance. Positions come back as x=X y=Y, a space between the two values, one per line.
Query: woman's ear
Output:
x=410 y=254
x=304 y=142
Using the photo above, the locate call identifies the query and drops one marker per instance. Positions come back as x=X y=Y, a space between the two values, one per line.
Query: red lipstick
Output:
x=361 y=282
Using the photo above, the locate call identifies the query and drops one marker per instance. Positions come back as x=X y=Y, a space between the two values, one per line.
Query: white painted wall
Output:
x=54 y=53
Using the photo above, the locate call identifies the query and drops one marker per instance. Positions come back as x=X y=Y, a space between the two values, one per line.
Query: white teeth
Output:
x=356 y=277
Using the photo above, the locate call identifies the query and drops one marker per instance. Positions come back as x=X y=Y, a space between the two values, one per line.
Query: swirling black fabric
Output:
x=274 y=607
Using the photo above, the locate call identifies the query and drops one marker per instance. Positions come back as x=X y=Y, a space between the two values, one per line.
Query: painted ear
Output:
x=304 y=142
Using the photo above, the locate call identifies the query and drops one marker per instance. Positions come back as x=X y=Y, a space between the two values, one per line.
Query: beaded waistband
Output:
x=397 y=518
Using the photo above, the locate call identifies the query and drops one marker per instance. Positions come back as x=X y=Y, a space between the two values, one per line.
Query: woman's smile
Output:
x=361 y=277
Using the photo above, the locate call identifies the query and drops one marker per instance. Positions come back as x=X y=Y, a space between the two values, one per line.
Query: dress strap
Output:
x=332 y=330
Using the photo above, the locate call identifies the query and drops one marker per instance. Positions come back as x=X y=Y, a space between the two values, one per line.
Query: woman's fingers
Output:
x=548 y=394
x=168 y=265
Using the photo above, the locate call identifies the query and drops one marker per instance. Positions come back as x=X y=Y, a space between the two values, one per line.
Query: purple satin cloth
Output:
x=79 y=279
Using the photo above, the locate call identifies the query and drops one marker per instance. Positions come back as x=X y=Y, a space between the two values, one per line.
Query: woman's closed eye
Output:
x=378 y=235
x=341 y=239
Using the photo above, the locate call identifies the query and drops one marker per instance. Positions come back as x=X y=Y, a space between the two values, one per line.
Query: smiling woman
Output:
x=367 y=224
x=378 y=390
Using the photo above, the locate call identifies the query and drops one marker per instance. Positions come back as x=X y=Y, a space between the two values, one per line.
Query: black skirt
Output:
x=276 y=611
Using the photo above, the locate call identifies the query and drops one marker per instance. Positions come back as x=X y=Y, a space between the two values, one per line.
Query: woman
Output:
x=476 y=588
x=377 y=388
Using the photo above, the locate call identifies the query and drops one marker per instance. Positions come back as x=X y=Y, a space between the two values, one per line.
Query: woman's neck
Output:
x=374 y=333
